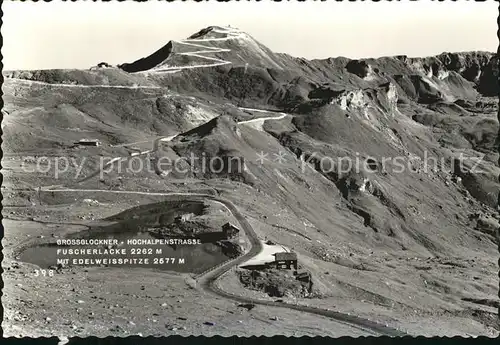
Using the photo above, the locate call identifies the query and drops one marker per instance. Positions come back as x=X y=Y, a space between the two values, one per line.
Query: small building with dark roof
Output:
x=103 y=64
x=230 y=230
x=285 y=260
x=89 y=142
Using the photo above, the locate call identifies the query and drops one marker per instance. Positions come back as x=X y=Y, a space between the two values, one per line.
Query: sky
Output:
x=81 y=34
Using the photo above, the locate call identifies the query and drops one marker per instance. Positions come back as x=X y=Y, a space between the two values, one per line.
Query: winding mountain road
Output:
x=83 y=86
x=231 y=34
x=208 y=279
x=256 y=123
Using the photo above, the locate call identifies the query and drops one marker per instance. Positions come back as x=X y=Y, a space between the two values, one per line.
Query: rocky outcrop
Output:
x=488 y=80
x=468 y=65
x=480 y=68
x=425 y=92
x=358 y=67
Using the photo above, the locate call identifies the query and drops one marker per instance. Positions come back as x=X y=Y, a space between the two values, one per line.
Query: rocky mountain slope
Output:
x=423 y=131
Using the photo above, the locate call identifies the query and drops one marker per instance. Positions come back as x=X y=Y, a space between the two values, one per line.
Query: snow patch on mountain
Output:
x=442 y=74
x=350 y=100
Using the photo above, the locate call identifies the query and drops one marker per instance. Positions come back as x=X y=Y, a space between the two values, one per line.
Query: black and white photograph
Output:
x=250 y=168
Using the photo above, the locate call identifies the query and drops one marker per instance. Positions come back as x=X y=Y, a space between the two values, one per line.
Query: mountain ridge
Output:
x=469 y=65
x=229 y=63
